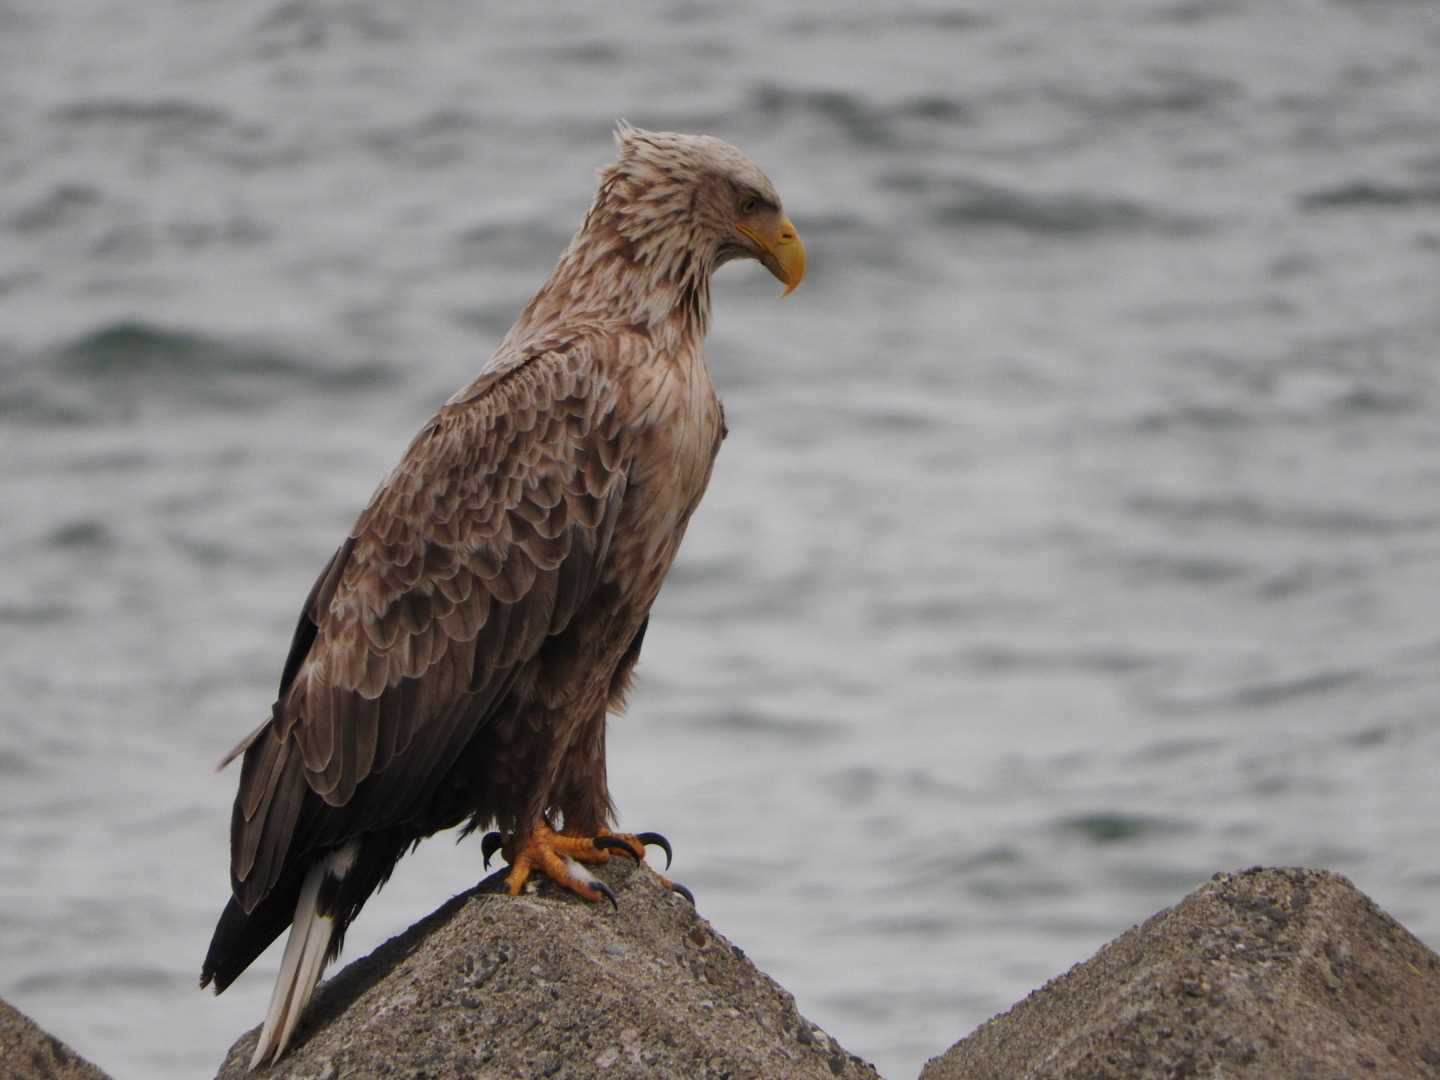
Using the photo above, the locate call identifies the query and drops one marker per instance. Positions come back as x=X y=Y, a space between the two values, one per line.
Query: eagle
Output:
x=458 y=656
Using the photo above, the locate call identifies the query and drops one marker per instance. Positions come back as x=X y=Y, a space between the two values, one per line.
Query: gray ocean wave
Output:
x=100 y=978
x=1371 y=195
x=862 y=122
x=1261 y=694
x=974 y=203
x=130 y=368
x=743 y=721
x=1260 y=511
x=1107 y=827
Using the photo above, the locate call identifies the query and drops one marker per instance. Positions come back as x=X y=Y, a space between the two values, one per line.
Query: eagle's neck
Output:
x=631 y=266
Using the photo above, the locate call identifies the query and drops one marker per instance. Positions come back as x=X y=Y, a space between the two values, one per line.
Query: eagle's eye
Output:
x=749 y=205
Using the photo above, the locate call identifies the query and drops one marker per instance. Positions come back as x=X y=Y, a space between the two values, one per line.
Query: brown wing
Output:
x=485 y=539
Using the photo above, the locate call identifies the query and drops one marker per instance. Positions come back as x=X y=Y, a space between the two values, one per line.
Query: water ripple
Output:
x=99 y=978
x=1265 y=693
x=1370 y=194
x=970 y=202
x=756 y=722
x=172 y=115
x=118 y=369
x=1118 y=827
x=864 y=123
x=1253 y=510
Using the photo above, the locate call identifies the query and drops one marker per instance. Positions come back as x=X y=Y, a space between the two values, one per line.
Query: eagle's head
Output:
x=698 y=202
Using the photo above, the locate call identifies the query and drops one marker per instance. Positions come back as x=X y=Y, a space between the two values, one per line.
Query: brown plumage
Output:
x=457 y=657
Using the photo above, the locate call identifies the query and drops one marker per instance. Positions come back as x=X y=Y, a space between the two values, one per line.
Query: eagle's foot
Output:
x=678 y=889
x=560 y=855
x=634 y=844
x=556 y=855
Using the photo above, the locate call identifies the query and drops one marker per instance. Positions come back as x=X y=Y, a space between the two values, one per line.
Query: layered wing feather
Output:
x=484 y=540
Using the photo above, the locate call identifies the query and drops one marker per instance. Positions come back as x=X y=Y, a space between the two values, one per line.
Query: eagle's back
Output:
x=484 y=598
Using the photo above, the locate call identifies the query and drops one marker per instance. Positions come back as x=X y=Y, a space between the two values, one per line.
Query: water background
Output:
x=1077 y=536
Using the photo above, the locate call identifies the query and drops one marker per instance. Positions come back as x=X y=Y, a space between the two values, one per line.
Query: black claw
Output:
x=659 y=841
x=491 y=843
x=616 y=844
x=604 y=890
x=676 y=887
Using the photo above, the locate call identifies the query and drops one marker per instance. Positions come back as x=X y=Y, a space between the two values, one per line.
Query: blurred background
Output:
x=1077 y=535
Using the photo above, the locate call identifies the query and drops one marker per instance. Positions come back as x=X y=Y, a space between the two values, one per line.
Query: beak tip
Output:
x=784 y=258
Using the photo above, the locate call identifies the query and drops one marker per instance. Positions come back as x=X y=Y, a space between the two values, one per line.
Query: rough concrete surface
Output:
x=1267 y=974
x=546 y=985
x=27 y=1052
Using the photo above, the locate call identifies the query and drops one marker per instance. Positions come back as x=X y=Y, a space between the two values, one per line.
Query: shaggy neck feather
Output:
x=640 y=259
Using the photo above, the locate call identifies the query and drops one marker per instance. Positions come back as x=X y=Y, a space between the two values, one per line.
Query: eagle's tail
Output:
x=312 y=943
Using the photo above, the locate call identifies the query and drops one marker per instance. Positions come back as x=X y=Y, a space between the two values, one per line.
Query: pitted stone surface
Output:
x=1254 y=976
x=545 y=985
x=27 y=1052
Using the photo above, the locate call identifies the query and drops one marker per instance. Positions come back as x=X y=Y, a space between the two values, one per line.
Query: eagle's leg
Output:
x=583 y=801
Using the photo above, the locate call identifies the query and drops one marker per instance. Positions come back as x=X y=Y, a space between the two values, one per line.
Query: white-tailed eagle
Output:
x=458 y=656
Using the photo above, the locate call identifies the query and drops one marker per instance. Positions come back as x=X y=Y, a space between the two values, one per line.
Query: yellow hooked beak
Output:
x=782 y=252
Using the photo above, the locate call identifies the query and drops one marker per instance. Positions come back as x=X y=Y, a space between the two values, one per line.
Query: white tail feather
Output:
x=304 y=959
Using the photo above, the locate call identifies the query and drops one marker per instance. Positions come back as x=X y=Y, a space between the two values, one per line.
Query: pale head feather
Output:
x=663 y=220
x=662 y=178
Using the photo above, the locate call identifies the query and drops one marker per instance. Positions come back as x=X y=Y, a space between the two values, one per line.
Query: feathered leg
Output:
x=584 y=802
